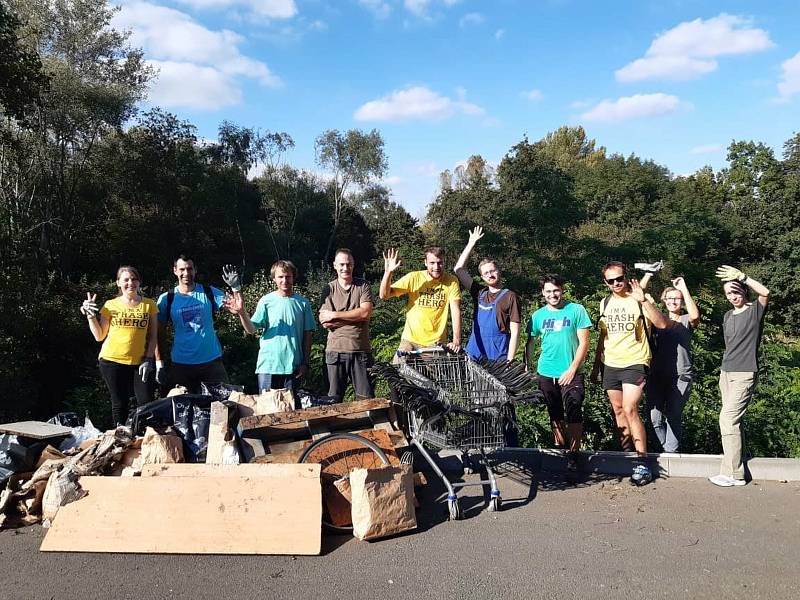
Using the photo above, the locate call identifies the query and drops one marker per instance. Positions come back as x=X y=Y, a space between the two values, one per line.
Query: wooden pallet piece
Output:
x=295 y=423
x=277 y=511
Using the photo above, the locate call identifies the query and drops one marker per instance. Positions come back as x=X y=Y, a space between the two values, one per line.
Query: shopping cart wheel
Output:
x=495 y=504
x=455 y=510
x=407 y=458
x=338 y=454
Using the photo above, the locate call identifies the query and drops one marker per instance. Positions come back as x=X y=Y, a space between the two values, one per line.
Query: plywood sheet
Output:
x=298 y=419
x=276 y=511
x=38 y=430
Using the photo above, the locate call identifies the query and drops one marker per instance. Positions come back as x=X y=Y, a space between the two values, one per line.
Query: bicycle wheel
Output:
x=338 y=454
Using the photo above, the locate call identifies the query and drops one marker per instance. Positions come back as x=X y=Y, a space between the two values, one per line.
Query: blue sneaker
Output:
x=641 y=475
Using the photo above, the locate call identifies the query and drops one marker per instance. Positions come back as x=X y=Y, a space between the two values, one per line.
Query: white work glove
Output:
x=727 y=273
x=89 y=308
x=649 y=267
x=146 y=368
x=161 y=373
x=231 y=277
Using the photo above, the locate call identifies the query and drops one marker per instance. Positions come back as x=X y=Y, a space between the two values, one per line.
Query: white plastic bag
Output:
x=78 y=435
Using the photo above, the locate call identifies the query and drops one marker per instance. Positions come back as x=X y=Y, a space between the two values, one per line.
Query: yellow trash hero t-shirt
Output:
x=427 y=305
x=127 y=335
x=626 y=338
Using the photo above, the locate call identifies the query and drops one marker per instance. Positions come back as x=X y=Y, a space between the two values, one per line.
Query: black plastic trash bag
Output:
x=219 y=391
x=157 y=414
x=192 y=416
x=16 y=457
x=309 y=400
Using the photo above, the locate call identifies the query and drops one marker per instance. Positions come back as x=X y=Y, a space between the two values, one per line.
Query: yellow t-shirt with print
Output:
x=126 y=341
x=427 y=305
x=625 y=335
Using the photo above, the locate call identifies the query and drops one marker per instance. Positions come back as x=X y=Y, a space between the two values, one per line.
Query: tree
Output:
x=568 y=147
x=21 y=76
x=352 y=158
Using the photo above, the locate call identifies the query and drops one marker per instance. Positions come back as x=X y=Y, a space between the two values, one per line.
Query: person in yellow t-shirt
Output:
x=127 y=326
x=623 y=352
x=431 y=293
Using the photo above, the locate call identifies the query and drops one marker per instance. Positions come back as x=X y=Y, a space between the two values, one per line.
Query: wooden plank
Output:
x=252 y=448
x=206 y=470
x=299 y=430
x=38 y=430
x=279 y=511
x=217 y=432
x=301 y=417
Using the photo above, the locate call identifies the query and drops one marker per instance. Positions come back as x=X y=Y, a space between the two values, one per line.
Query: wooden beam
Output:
x=300 y=417
x=38 y=430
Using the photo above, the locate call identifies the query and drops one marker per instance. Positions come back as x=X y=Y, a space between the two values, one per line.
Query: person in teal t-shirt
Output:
x=287 y=324
x=564 y=328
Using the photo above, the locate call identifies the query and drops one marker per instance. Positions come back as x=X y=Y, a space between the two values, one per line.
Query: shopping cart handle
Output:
x=421 y=351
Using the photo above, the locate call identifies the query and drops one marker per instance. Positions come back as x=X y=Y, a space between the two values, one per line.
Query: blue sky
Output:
x=673 y=80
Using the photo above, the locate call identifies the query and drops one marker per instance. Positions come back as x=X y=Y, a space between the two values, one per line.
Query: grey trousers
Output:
x=736 y=389
x=666 y=397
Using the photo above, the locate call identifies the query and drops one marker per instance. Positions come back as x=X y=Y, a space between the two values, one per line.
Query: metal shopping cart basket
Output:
x=453 y=402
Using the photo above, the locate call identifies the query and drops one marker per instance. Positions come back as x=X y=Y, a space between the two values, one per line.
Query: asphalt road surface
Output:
x=590 y=537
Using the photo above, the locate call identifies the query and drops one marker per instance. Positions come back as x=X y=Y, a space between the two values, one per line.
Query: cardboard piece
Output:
x=274 y=401
x=277 y=511
x=161 y=448
x=49 y=453
x=218 y=432
x=38 y=430
x=383 y=501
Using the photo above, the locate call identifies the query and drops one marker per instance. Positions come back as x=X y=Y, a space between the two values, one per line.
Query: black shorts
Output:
x=563 y=400
x=614 y=377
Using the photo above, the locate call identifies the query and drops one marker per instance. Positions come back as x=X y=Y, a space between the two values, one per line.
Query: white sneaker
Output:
x=725 y=481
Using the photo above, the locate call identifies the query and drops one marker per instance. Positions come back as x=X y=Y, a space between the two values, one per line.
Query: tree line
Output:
x=89 y=182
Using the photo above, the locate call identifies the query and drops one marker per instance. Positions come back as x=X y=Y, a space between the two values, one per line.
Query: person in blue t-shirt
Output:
x=564 y=328
x=287 y=325
x=196 y=352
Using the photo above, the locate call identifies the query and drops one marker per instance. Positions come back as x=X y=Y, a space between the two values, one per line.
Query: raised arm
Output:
x=655 y=316
x=727 y=273
x=460 y=269
x=98 y=324
x=691 y=306
x=391 y=261
x=235 y=304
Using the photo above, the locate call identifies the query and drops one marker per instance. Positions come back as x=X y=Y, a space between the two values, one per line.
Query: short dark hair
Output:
x=285 y=265
x=488 y=261
x=556 y=280
x=437 y=251
x=182 y=257
x=344 y=251
x=615 y=263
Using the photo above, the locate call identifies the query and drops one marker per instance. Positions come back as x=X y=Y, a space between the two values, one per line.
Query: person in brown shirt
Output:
x=345 y=310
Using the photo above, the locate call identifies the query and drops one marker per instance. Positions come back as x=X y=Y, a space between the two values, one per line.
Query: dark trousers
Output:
x=191 y=376
x=341 y=366
x=124 y=382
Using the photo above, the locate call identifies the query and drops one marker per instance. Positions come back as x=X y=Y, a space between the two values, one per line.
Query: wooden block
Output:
x=252 y=448
x=218 y=432
x=297 y=419
x=271 y=509
x=38 y=430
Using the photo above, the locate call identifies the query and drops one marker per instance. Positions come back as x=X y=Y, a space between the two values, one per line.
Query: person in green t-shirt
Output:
x=564 y=328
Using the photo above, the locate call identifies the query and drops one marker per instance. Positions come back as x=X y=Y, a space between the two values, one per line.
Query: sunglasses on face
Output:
x=620 y=279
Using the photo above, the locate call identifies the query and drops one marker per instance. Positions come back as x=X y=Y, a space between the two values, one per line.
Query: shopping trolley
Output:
x=452 y=402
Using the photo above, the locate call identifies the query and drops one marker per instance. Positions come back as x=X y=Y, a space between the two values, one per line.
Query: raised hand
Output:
x=649 y=267
x=475 y=235
x=89 y=306
x=391 y=260
x=728 y=273
x=231 y=276
x=679 y=284
x=636 y=290
x=234 y=303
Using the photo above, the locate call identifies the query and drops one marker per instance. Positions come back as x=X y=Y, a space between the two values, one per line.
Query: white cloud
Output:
x=417 y=7
x=579 y=104
x=499 y=34
x=789 y=85
x=532 y=95
x=178 y=44
x=379 y=8
x=688 y=50
x=392 y=180
x=416 y=103
x=187 y=85
x=472 y=18
x=266 y=9
x=706 y=149
x=632 y=107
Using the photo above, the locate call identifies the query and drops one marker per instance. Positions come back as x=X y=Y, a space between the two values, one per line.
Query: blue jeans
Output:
x=268 y=381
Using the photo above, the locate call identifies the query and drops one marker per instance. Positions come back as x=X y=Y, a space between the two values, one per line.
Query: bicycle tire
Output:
x=336 y=464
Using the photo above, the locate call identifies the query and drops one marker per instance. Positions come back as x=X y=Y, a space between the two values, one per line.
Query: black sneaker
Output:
x=572 y=462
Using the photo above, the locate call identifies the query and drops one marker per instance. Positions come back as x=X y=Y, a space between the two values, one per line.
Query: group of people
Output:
x=640 y=350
